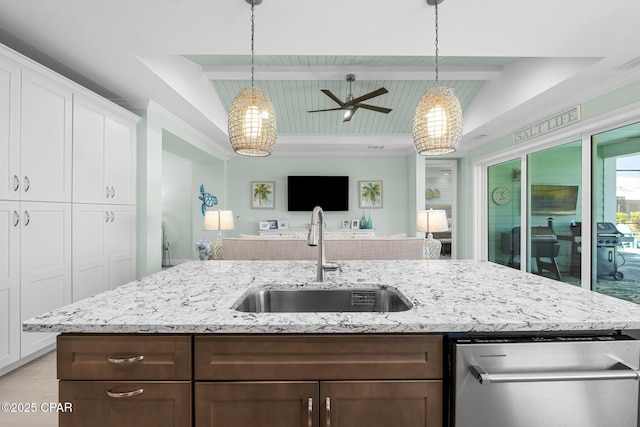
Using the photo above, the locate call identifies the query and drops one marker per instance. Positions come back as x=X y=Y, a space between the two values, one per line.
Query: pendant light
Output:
x=437 y=123
x=252 y=119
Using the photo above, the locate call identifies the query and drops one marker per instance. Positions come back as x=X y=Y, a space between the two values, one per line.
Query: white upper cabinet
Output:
x=9 y=131
x=103 y=155
x=45 y=148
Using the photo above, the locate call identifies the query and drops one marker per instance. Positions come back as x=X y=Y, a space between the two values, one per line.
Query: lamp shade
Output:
x=252 y=123
x=437 y=122
x=218 y=220
x=432 y=221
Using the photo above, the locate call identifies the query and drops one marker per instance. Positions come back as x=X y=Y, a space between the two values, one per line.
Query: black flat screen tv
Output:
x=331 y=193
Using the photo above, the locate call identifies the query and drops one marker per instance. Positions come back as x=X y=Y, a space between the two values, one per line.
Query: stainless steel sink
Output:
x=323 y=300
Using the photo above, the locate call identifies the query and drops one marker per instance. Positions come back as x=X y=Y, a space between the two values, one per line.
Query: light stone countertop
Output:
x=447 y=296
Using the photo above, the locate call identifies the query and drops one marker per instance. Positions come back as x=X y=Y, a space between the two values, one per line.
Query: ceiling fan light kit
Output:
x=351 y=105
x=437 y=122
x=252 y=120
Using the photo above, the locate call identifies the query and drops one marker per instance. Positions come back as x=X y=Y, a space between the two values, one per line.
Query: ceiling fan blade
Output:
x=350 y=116
x=326 y=109
x=332 y=96
x=369 y=95
x=375 y=108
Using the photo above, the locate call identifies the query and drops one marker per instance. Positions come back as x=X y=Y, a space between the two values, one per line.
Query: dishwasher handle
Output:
x=484 y=377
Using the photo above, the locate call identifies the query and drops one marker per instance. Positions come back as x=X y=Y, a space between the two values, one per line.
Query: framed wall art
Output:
x=263 y=194
x=369 y=194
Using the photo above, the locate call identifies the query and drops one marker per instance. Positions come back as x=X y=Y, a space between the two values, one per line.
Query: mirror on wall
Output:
x=615 y=268
x=440 y=194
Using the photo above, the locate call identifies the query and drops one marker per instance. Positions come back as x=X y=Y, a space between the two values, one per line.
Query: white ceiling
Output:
x=511 y=62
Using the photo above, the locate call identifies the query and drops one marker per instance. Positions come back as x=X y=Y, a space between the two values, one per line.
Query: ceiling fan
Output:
x=352 y=104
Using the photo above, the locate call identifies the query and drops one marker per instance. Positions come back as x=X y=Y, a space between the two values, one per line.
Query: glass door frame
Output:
x=581 y=131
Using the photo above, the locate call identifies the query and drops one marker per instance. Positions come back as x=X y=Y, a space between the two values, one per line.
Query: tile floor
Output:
x=36 y=383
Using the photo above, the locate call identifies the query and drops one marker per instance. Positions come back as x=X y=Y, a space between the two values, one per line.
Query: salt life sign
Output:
x=563 y=119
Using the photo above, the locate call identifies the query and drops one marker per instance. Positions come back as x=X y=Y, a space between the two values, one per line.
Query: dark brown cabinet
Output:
x=323 y=403
x=125 y=380
x=360 y=381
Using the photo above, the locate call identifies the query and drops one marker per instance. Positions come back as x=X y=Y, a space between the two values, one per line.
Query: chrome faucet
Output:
x=316 y=238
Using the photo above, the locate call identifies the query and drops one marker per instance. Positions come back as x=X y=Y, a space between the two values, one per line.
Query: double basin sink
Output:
x=370 y=299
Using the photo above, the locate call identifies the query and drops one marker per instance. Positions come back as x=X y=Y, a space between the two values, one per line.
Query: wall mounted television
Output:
x=331 y=193
x=554 y=199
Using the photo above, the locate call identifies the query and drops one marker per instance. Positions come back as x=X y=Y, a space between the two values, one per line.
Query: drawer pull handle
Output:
x=327 y=405
x=124 y=394
x=27 y=183
x=16 y=183
x=310 y=413
x=107 y=192
x=116 y=360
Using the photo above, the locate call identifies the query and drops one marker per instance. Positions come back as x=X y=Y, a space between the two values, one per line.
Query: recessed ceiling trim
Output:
x=364 y=73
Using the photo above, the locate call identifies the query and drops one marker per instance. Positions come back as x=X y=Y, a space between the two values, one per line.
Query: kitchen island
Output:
x=173 y=349
x=447 y=296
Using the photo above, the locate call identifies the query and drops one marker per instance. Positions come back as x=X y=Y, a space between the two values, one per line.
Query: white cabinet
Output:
x=103 y=248
x=45 y=140
x=45 y=265
x=103 y=155
x=9 y=131
x=9 y=282
x=48 y=162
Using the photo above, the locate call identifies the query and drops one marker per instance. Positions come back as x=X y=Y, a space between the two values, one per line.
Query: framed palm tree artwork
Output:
x=370 y=194
x=263 y=194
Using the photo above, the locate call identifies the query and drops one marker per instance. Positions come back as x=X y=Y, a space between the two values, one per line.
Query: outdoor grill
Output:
x=608 y=240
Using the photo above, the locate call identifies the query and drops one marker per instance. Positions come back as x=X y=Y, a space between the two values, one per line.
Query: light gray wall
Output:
x=392 y=218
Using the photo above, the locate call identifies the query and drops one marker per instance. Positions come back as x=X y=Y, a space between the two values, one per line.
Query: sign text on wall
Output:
x=548 y=125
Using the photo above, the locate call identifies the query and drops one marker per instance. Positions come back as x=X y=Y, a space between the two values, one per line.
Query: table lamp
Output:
x=218 y=220
x=432 y=221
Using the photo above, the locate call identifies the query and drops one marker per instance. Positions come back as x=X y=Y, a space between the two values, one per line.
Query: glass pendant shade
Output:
x=437 y=123
x=252 y=123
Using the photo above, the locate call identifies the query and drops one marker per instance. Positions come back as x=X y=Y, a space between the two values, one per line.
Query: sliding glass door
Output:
x=554 y=193
x=616 y=211
x=504 y=213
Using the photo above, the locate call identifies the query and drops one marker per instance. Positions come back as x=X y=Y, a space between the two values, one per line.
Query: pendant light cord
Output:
x=437 y=49
x=253 y=28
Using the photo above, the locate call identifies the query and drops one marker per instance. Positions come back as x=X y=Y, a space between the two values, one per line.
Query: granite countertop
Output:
x=447 y=296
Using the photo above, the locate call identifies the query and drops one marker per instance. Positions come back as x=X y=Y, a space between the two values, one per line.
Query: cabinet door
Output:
x=9 y=131
x=125 y=404
x=45 y=266
x=45 y=157
x=121 y=235
x=9 y=283
x=90 y=258
x=256 y=404
x=88 y=153
x=120 y=158
x=381 y=403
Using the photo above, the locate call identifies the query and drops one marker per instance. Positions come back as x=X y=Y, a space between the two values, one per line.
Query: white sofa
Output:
x=384 y=248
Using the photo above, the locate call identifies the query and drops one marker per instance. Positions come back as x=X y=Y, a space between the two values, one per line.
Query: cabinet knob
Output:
x=118 y=360
x=16 y=183
x=119 y=395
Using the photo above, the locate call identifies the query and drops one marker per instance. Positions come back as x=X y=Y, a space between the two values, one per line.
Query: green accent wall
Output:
x=394 y=172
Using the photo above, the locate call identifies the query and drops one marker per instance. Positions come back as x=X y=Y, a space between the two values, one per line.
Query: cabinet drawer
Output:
x=317 y=357
x=124 y=357
x=125 y=404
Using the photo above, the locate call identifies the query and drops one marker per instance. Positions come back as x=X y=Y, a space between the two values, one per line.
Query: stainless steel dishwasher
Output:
x=546 y=382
